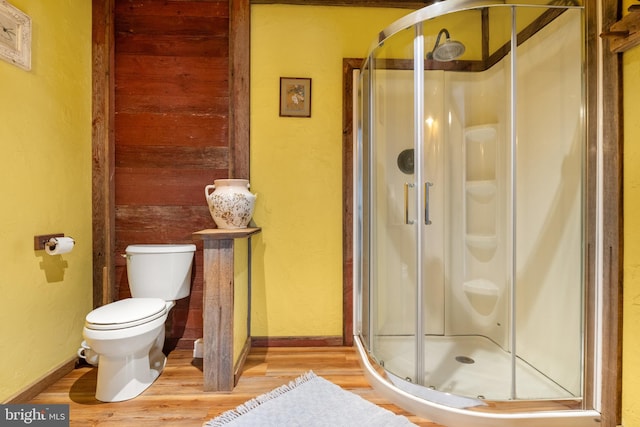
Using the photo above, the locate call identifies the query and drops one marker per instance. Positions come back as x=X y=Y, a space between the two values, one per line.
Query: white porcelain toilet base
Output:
x=130 y=359
x=125 y=378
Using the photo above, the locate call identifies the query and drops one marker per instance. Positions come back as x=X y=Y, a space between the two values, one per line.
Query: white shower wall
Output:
x=549 y=291
x=477 y=104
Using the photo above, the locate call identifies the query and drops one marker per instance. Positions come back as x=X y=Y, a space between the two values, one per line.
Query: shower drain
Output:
x=465 y=359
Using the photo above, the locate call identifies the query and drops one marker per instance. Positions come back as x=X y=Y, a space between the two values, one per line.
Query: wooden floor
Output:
x=177 y=399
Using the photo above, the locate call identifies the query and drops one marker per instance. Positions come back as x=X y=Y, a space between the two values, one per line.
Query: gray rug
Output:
x=309 y=401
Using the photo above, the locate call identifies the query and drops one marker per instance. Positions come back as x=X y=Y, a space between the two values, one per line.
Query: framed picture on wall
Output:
x=15 y=36
x=295 y=97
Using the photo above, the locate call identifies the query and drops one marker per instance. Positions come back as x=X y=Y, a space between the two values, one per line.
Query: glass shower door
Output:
x=466 y=111
x=393 y=222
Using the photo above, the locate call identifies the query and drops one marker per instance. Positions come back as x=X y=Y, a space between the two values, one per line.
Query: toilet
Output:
x=128 y=335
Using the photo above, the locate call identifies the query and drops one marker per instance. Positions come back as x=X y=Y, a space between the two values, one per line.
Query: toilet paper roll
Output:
x=59 y=245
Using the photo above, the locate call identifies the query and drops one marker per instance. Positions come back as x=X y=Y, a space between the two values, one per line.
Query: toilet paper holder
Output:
x=41 y=242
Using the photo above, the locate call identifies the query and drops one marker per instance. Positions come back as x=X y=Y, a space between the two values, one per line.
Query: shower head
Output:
x=448 y=50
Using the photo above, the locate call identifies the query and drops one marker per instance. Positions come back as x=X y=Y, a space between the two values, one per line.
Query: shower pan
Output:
x=470 y=213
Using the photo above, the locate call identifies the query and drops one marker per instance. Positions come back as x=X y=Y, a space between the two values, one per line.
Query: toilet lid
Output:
x=126 y=313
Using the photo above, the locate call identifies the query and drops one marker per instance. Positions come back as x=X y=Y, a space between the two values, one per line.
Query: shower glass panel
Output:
x=548 y=205
x=470 y=203
x=392 y=206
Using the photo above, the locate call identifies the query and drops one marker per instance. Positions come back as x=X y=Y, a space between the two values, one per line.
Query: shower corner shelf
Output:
x=482 y=188
x=482 y=241
x=481 y=132
x=481 y=287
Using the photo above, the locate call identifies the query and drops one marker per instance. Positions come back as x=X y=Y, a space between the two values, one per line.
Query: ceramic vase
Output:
x=230 y=202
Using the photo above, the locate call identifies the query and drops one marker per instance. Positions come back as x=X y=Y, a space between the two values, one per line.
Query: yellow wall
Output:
x=631 y=277
x=296 y=163
x=45 y=185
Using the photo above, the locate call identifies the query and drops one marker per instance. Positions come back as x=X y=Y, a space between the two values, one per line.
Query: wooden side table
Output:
x=217 y=306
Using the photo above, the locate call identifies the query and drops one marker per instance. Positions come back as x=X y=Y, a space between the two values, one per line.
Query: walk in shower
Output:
x=470 y=212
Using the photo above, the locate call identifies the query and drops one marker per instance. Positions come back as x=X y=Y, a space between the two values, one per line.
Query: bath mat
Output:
x=309 y=401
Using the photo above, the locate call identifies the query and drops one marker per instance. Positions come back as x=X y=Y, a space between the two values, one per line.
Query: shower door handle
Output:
x=427 y=220
x=406 y=203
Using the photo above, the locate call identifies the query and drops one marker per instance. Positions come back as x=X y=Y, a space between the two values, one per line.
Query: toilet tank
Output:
x=160 y=271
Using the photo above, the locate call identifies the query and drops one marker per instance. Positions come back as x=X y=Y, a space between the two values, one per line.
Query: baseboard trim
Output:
x=319 y=341
x=238 y=368
x=43 y=382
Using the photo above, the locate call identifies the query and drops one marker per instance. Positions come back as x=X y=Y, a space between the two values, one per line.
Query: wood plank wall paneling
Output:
x=239 y=87
x=102 y=159
x=613 y=226
x=148 y=128
x=171 y=131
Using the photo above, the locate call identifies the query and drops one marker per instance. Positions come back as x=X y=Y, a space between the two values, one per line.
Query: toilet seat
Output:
x=125 y=313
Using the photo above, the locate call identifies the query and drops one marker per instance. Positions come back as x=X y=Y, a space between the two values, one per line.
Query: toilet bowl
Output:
x=128 y=335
